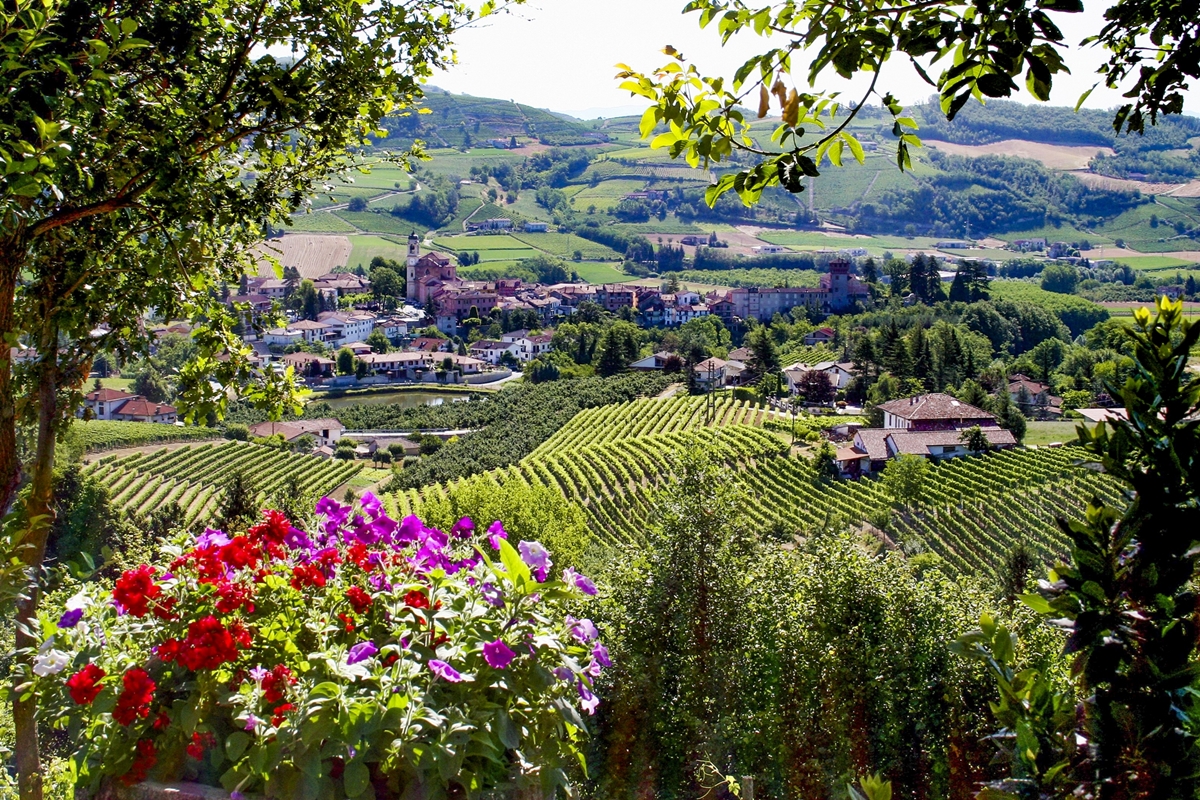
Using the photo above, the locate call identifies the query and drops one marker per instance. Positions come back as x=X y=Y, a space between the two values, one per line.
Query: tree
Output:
x=1060 y=278
x=815 y=387
x=387 y=285
x=975 y=439
x=152 y=384
x=357 y=204
x=238 y=505
x=308 y=301
x=904 y=478
x=764 y=358
x=991 y=50
x=345 y=361
x=379 y=343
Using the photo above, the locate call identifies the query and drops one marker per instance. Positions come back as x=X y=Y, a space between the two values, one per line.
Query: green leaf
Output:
x=236 y=744
x=356 y=778
x=518 y=571
x=1035 y=601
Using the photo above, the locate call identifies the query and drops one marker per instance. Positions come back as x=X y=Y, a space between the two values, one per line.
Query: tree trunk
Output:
x=10 y=466
x=39 y=512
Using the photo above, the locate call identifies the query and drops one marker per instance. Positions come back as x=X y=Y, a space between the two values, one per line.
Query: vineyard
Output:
x=612 y=459
x=806 y=355
x=638 y=418
x=192 y=476
x=97 y=434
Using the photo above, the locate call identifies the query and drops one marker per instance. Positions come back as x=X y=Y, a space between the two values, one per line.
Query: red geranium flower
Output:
x=165 y=609
x=208 y=645
x=416 y=599
x=168 y=650
x=239 y=553
x=359 y=599
x=276 y=682
x=84 y=685
x=199 y=744
x=358 y=554
x=347 y=621
x=280 y=711
x=304 y=575
x=135 y=700
x=143 y=761
x=271 y=533
x=232 y=596
x=135 y=589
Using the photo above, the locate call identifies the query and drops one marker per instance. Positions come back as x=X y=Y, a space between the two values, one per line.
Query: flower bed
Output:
x=365 y=658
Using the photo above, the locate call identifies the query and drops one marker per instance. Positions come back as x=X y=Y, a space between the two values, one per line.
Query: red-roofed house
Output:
x=139 y=409
x=103 y=402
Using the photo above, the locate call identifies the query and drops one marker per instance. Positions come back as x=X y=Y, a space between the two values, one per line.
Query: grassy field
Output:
x=1155 y=263
x=564 y=245
x=365 y=247
x=606 y=194
x=124 y=384
x=598 y=273
x=1043 y=433
x=490 y=248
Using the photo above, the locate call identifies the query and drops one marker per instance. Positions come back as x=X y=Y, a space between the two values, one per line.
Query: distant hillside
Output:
x=1166 y=151
x=460 y=120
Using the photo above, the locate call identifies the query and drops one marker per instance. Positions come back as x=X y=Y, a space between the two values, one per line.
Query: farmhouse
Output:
x=1033 y=397
x=326 y=430
x=114 y=404
x=928 y=425
x=308 y=365
x=658 y=361
x=820 y=336
x=840 y=373
x=492 y=350
x=769 y=249
x=530 y=345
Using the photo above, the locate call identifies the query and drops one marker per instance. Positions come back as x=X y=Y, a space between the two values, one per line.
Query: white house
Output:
x=283 y=336
x=769 y=249
x=348 y=326
x=103 y=402
x=491 y=350
x=840 y=374
x=313 y=331
x=530 y=345
x=325 y=430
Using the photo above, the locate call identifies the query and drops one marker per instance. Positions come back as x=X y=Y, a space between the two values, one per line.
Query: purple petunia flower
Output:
x=463 y=528
x=497 y=654
x=410 y=529
x=496 y=532
x=600 y=653
x=252 y=723
x=444 y=671
x=492 y=594
x=536 y=557
x=563 y=673
x=592 y=669
x=258 y=673
x=582 y=629
x=380 y=582
x=297 y=539
x=361 y=652
x=580 y=582
x=371 y=504
x=587 y=700
x=236 y=795
x=212 y=538
x=70 y=618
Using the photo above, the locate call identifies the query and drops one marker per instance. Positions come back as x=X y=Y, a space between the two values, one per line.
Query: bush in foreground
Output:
x=365 y=658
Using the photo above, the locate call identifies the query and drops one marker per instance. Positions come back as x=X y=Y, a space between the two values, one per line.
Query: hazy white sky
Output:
x=559 y=54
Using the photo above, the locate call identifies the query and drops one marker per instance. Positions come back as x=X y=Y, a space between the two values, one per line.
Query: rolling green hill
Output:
x=459 y=120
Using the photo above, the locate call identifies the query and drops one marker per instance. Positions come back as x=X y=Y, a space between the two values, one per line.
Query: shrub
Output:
x=364 y=658
x=237 y=432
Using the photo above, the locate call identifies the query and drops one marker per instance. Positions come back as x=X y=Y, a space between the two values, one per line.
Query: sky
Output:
x=560 y=55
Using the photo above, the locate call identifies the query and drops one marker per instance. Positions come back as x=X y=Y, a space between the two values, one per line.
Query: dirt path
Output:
x=670 y=391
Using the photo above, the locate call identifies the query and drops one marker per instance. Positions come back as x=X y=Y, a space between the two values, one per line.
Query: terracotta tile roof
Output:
x=108 y=395
x=141 y=407
x=919 y=442
x=935 y=406
x=874 y=441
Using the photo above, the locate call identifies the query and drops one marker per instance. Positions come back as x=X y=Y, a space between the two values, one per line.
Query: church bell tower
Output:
x=414 y=255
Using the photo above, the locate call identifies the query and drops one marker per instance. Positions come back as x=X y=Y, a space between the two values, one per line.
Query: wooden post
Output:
x=747 y=787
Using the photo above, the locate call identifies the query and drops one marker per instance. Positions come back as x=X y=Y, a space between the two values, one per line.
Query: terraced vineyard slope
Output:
x=194 y=476
x=640 y=418
x=611 y=460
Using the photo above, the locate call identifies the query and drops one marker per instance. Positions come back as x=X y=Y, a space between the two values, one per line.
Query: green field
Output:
x=1043 y=433
x=564 y=245
x=606 y=194
x=598 y=273
x=498 y=247
x=365 y=247
x=371 y=222
x=1154 y=263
